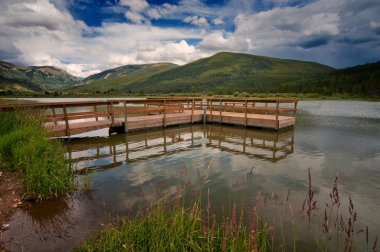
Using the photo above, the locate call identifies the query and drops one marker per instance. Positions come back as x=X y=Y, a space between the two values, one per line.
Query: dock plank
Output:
x=151 y=121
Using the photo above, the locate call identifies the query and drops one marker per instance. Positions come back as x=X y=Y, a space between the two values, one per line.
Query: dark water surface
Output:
x=127 y=172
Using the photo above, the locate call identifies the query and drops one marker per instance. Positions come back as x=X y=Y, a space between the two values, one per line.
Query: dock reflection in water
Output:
x=106 y=153
x=131 y=171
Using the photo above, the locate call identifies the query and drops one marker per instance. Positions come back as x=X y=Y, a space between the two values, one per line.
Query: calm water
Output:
x=130 y=171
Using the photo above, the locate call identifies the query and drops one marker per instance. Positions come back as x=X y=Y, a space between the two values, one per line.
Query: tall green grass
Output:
x=176 y=228
x=25 y=147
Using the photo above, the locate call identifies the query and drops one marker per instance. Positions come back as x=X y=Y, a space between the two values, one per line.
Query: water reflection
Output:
x=106 y=153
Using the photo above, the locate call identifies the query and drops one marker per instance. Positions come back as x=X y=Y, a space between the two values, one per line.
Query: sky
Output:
x=85 y=37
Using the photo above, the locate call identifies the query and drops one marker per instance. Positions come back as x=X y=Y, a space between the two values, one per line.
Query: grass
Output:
x=25 y=148
x=179 y=229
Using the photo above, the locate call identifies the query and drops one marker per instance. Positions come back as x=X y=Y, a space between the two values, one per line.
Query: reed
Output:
x=25 y=147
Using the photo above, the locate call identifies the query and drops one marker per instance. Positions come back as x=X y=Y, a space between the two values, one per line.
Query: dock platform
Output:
x=71 y=118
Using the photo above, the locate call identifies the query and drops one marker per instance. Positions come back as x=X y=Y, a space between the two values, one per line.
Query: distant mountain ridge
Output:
x=34 y=78
x=121 y=77
x=222 y=72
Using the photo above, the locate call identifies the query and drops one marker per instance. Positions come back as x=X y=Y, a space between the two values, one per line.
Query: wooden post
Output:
x=245 y=116
x=192 y=135
x=277 y=110
x=54 y=115
x=244 y=141
x=145 y=105
x=204 y=111
x=220 y=111
x=164 y=139
x=295 y=109
x=125 y=117
x=114 y=153
x=164 y=114
x=266 y=106
x=210 y=110
x=112 y=116
x=95 y=111
x=66 y=121
x=192 y=111
x=253 y=107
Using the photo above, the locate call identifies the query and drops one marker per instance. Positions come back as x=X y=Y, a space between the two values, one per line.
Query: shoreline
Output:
x=10 y=198
x=242 y=95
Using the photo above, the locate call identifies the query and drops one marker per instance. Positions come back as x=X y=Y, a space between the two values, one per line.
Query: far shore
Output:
x=237 y=95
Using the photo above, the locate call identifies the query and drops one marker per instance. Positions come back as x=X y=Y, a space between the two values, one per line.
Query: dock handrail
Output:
x=61 y=112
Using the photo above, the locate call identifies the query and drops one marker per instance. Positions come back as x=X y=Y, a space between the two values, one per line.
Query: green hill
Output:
x=358 y=80
x=33 y=78
x=121 y=77
x=222 y=73
x=227 y=72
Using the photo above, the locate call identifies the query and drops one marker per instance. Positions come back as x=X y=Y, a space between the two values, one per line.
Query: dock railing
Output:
x=114 y=111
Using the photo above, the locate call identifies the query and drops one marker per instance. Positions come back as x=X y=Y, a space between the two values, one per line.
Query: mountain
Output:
x=222 y=72
x=34 y=78
x=121 y=77
x=357 y=80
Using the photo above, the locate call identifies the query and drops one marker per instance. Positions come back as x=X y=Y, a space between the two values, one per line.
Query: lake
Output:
x=233 y=164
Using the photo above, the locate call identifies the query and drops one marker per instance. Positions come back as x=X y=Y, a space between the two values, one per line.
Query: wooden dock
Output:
x=71 y=118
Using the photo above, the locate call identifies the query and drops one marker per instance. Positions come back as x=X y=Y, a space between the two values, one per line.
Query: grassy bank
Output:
x=25 y=148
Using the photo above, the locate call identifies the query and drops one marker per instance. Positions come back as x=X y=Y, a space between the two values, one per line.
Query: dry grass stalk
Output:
x=311 y=203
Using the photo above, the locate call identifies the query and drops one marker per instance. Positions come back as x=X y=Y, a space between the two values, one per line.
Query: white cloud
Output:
x=156 y=12
x=135 y=9
x=135 y=17
x=195 y=20
x=179 y=53
x=218 y=21
x=220 y=41
x=134 y=5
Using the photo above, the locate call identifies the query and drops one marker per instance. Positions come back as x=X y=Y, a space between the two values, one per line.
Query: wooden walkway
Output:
x=71 y=118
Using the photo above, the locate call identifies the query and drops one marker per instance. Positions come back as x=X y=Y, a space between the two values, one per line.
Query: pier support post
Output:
x=220 y=111
x=96 y=112
x=192 y=111
x=164 y=113
x=211 y=110
x=277 y=110
x=295 y=108
x=245 y=113
x=112 y=115
x=125 y=117
x=66 y=121
x=54 y=115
